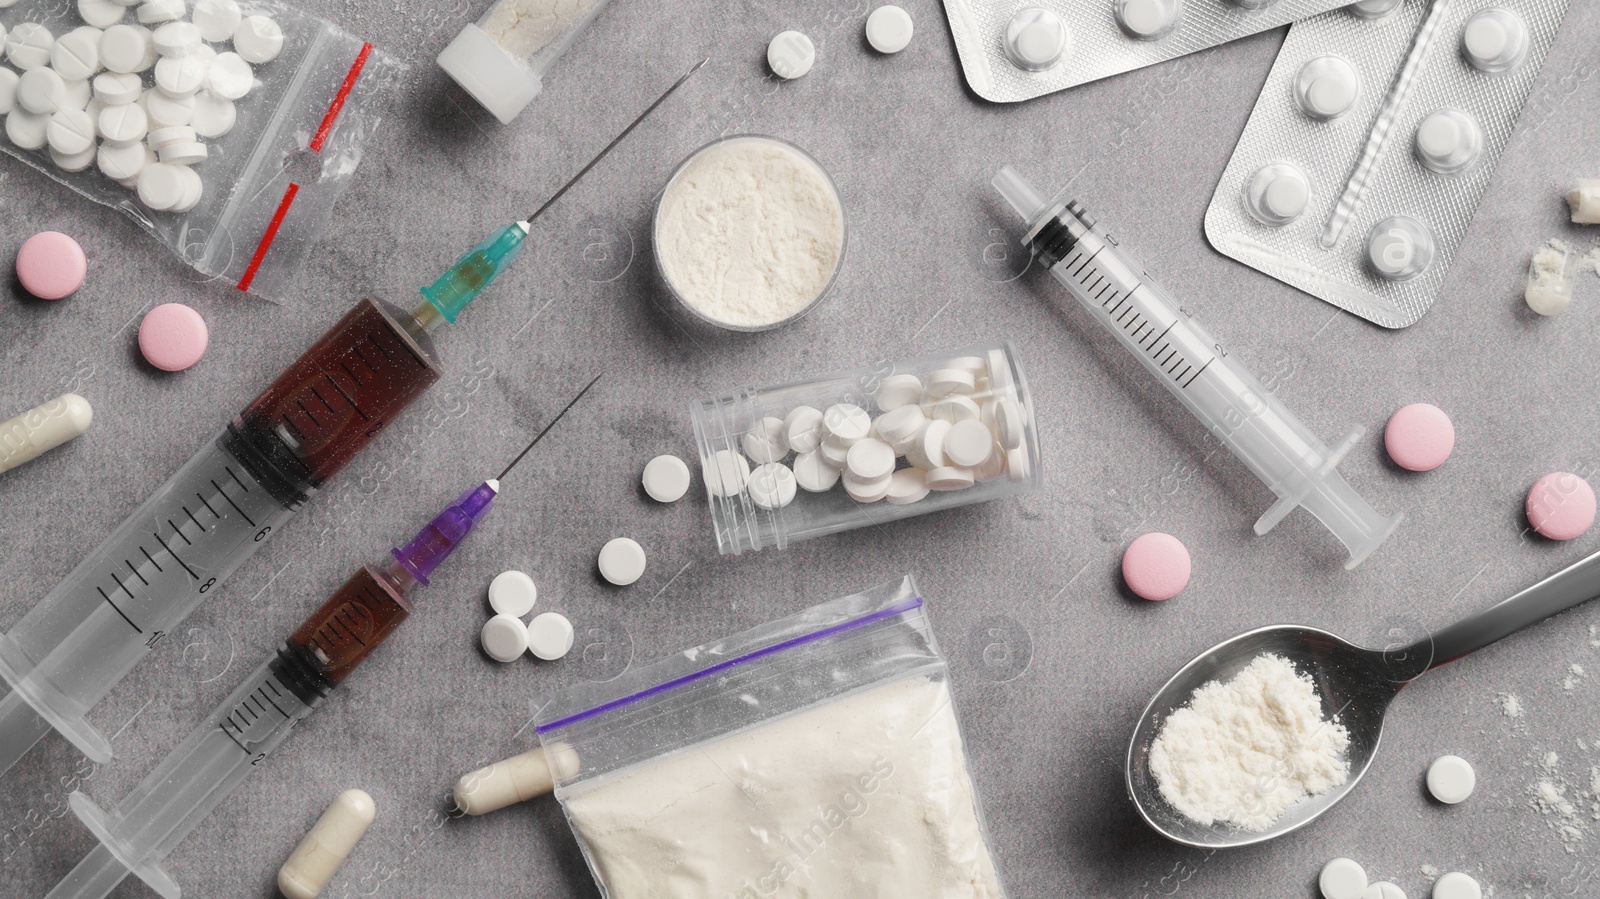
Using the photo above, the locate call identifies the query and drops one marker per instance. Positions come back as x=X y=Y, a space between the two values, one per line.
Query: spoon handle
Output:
x=1571 y=586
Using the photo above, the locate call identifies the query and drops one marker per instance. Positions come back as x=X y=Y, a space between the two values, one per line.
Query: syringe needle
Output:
x=617 y=140
x=540 y=436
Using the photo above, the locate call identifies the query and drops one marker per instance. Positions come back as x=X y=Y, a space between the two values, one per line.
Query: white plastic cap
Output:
x=491 y=75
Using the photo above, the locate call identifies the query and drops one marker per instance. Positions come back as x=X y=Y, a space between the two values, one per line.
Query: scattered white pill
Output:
x=41 y=91
x=76 y=56
x=1495 y=40
x=1451 y=779
x=666 y=479
x=1383 y=889
x=101 y=13
x=504 y=638
x=765 y=441
x=814 y=473
x=71 y=133
x=622 y=561
x=969 y=443
x=8 y=90
x=802 y=429
x=229 y=76
x=889 y=29
x=870 y=459
x=165 y=110
x=846 y=423
x=772 y=486
x=154 y=12
x=120 y=163
x=1449 y=141
x=1036 y=39
x=162 y=186
x=127 y=49
x=1457 y=885
x=213 y=116
x=182 y=76
x=1343 y=878
x=124 y=124
x=1147 y=20
x=183 y=154
x=946 y=381
x=791 y=55
x=218 y=19
x=948 y=478
x=28 y=45
x=907 y=486
x=550 y=636
x=258 y=39
x=512 y=593
x=166 y=137
x=27 y=130
x=725 y=473
x=324 y=848
x=117 y=89
x=867 y=491
x=955 y=407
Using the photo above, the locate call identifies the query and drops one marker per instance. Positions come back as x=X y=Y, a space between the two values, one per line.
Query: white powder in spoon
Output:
x=1243 y=752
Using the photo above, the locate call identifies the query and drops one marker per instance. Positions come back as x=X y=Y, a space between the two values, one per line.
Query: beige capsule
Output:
x=516 y=779
x=320 y=853
x=42 y=429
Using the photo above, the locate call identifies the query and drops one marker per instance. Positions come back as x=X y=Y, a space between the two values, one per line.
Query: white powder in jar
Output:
x=1243 y=752
x=864 y=796
x=524 y=27
x=749 y=232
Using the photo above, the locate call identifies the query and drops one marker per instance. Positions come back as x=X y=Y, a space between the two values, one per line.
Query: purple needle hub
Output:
x=445 y=532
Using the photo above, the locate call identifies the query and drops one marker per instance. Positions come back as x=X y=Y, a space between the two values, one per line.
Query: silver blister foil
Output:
x=1364 y=168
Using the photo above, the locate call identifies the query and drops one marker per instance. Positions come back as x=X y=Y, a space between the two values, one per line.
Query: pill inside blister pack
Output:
x=1015 y=50
x=1374 y=138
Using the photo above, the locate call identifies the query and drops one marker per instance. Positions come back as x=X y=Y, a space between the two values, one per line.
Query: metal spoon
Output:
x=1355 y=682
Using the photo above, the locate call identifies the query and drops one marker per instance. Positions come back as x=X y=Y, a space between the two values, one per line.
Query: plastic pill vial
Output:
x=1147 y=20
x=1451 y=779
x=313 y=863
x=1327 y=87
x=1449 y=141
x=1495 y=40
x=43 y=428
x=502 y=59
x=1277 y=194
x=1399 y=248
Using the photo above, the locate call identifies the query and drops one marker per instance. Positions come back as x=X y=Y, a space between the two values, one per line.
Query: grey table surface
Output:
x=1052 y=660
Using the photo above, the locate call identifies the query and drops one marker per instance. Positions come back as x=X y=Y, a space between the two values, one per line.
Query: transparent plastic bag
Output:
x=817 y=755
x=270 y=182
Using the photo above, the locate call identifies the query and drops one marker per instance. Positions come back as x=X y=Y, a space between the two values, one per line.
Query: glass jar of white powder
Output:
x=749 y=233
x=501 y=60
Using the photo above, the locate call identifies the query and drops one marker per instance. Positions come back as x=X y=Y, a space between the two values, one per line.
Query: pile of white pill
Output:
x=138 y=99
x=963 y=425
x=505 y=637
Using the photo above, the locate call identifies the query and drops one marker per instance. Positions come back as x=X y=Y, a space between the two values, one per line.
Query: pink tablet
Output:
x=173 y=337
x=51 y=265
x=1156 y=566
x=1561 y=506
x=1419 y=437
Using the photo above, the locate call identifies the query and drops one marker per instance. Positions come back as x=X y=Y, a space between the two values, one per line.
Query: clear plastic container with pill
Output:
x=866 y=447
x=501 y=60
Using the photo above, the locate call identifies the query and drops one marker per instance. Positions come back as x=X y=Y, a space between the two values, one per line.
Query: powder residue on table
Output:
x=524 y=27
x=1243 y=752
x=864 y=796
x=750 y=232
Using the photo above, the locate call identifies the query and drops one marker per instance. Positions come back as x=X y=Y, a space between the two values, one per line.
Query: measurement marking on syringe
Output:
x=351 y=374
x=307 y=412
x=136 y=573
x=207 y=503
x=321 y=400
x=152 y=560
x=229 y=470
x=381 y=348
x=347 y=397
x=124 y=615
x=179 y=531
x=173 y=554
x=233 y=504
x=224 y=728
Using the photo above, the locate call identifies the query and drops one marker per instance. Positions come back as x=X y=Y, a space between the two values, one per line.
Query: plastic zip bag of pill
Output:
x=816 y=755
x=1364 y=160
x=1015 y=50
x=226 y=129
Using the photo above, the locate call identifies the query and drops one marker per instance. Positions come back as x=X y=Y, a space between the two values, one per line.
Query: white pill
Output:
x=1277 y=194
x=1036 y=39
x=867 y=491
x=1018 y=468
x=43 y=428
x=834 y=454
x=516 y=779
x=218 y=19
x=1457 y=885
x=968 y=444
x=1327 y=87
x=1383 y=889
x=213 y=116
x=1010 y=422
x=8 y=90
x=182 y=76
x=1495 y=40
x=167 y=111
x=974 y=364
x=666 y=479
x=78 y=95
x=193 y=189
x=166 y=137
x=1451 y=779
x=948 y=478
x=101 y=13
x=41 y=91
x=999 y=368
x=126 y=3
x=1147 y=20
x=870 y=459
x=183 y=154
x=814 y=473
x=127 y=49
x=72 y=162
x=162 y=186
x=313 y=863
x=120 y=163
x=953 y=408
x=1374 y=9
x=889 y=29
x=725 y=473
x=846 y=423
x=990 y=468
x=802 y=429
x=258 y=39
x=1342 y=878
x=550 y=636
x=504 y=638
x=230 y=76
x=71 y=133
x=76 y=56
x=176 y=38
x=791 y=55
x=906 y=486
x=765 y=442
x=927 y=450
x=117 y=89
x=772 y=486
x=28 y=45
x=27 y=130
x=622 y=561
x=512 y=593
x=946 y=381
x=902 y=424
x=1449 y=141
x=1399 y=248
x=897 y=391
x=1286 y=197
x=124 y=124
x=153 y=12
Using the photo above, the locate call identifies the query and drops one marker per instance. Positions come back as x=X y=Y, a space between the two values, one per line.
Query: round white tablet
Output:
x=1449 y=141
x=972 y=364
x=1327 y=87
x=902 y=424
x=76 y=56
x=1495 y=40
x=927 y=450
x=550 y=636
x=666 y=479
x=8 y=90
x=258 y=39
x=1036 y=39
x=870 y=459
x=184 y=154
x=725 y=473
x=166 y=137
x=1009 y=422
x=504 y=638
x=72 y=162
x=124 y=124
x=846 y=423
x=28 y=45
x=27 y=130
x=120 y=163
x=117 y=89
x=1399 y=248
x=791 y=55
x=230 y=76
x=41 y=91
x=1286 y=197
x=71 y=132
x=1342 y=878
x=1147 y=20
x=889 y=29
x=78 y=95
x=772 y=486
x=867 y=491
x=946 y=381
x=622 y=561
x=161 y=186
x=512 y=593
x=127 y=49
x=1451 y=779
x=765 y=442
x=1018 y=467
x=955 y=407
x=1457 y=885
x=214 y=116
x=814 y=473
x=833 y=453
x=1373 y=9
x=897 y=391
x=802 y=428
x=218 y=19
x=182 y=76
x=176 y=38
x=906 y=486
x=1383 y=889
x=948 y=478
x=968 y=444
x=193 y=189
x=101 y=13
x=152 y=12
x=165 y=110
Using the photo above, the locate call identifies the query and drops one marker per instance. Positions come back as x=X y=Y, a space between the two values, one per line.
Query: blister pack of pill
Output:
x=1014 y=50
x=1374 y=139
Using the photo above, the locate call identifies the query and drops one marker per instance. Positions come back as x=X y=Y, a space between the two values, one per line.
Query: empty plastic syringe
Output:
x=195 y=778
x=1247 y=418
x=67 y=653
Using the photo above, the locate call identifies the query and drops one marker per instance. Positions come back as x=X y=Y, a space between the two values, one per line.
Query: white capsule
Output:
x=516 y=779
x=42 y=429
x=320 y=853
